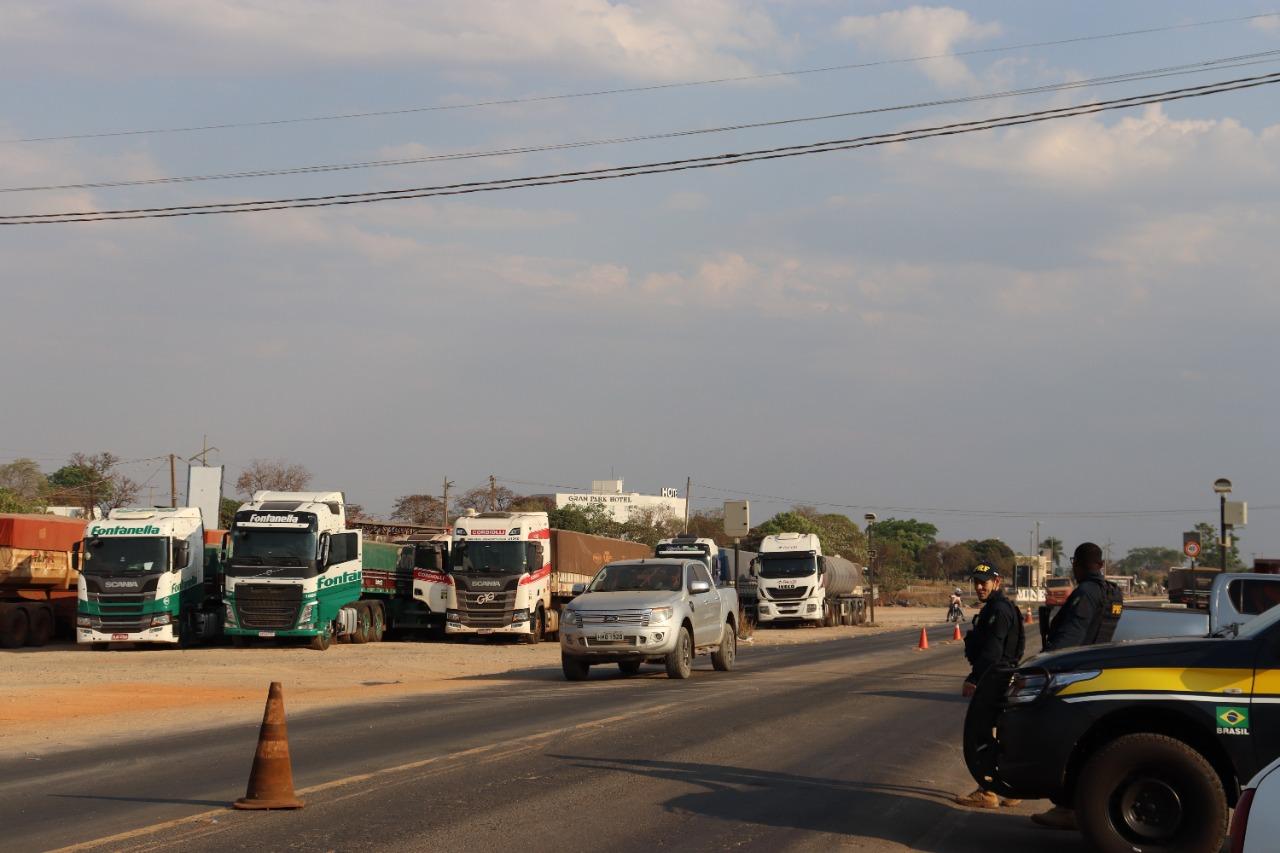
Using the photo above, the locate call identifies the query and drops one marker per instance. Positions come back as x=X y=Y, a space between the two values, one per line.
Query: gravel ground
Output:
x=67 y=696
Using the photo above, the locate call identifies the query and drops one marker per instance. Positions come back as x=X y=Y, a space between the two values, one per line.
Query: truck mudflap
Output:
x=981 y=748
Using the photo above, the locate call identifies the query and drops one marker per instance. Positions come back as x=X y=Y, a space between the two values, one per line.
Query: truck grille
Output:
x=271 y=606
x=486 y=609
x=129 y=623
x=796 y=592
x=603 y=617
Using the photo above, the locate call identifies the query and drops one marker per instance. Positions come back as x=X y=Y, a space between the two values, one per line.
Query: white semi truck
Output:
x=686 y=547
x=796 y=583
x=510 y=573
x=146 y=576
x=295 y=570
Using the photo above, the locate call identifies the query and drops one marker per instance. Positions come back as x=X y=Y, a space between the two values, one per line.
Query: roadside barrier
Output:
x=271 y=779
x=924 y=640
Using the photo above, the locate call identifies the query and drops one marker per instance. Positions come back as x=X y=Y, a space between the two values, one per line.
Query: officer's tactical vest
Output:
x=1108 y=616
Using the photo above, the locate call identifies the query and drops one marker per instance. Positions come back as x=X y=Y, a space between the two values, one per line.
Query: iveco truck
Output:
x=510 y=573
x=294 y=570
x=146 y=576
x=796 y=583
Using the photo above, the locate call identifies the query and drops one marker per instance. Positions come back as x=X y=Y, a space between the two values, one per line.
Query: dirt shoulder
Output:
x=62 y=697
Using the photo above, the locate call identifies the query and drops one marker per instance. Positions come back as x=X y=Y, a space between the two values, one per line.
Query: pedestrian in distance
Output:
x=1089 y=616
x=996 y=637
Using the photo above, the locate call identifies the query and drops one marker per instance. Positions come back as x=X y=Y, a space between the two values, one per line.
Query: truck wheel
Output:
x=724 y=657
x=1148 y=792
x=538 y=625
x=377 y=622
x=14 y=625
x=574 y=669
x=628 y=667
x=41 y=627
x=320 y=642
x=364 y=623
x=828 y=616
x=680 y=660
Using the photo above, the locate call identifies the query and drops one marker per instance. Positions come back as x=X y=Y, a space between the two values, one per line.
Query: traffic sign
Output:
x=1191 y=544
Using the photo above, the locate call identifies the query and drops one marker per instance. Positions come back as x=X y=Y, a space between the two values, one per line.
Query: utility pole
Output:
x=444 y=510
x=493 y=493
x=688 y=484
x=173 y=481
x=1038 y=541
x=205 y=450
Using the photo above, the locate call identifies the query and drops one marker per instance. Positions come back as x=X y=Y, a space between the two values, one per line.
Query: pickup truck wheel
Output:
x=1149 y=792
x=574 y=669
x=628 y=667
x=680 y=660
x=724 y=657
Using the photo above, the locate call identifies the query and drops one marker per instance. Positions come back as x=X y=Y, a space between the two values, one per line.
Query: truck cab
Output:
x=294 y=568
x=145 y=577
x=694 y=548
x=788 y=579
x=431 y=579
x=500 y=568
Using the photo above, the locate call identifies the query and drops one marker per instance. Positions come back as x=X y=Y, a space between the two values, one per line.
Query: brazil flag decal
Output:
x=1232 y=720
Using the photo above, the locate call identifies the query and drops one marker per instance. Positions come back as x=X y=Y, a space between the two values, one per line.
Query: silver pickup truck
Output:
x=649 y=611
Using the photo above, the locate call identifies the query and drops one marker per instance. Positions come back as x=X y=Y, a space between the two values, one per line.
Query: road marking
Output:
x=508 y=746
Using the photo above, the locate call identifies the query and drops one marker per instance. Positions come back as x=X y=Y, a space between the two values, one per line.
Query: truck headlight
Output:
x=520 y=615
x=231 y=614
x=83 y=622
x=763 y=608
x=307 y=616
x=811 y=608
x=452 y=615
x=659 y=615
x=160 y=619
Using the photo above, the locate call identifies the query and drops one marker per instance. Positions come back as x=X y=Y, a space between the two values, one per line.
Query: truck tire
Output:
x=364 y=623
x=14 y=627
x=724 y=657
x=320 y=642
x=680 y=660
x=538 y=622
x=377 y=622
x=828 y=615
x=574 y=669
x=629 y=667
x=41 y=627
x=1149 y=792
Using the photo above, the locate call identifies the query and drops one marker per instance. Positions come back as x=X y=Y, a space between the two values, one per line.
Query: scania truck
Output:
x=146 y=576
x=796 y=583
x=295 y=570
x=510 y=573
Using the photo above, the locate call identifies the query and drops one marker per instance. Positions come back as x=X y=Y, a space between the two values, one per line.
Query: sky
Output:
x=984 y=331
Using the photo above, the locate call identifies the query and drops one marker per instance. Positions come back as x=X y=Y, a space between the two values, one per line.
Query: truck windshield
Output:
x=636 y=578
x=498 y=558
x=786 y=567
x=266 y=547
x=125 y=556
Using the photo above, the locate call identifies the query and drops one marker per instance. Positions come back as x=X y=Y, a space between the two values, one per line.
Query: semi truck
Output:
x=687 y=547
x=148 y=576
x=37 y=578
x=796 y=583
x=431 y=582
x=510 y=573
x=725 y=569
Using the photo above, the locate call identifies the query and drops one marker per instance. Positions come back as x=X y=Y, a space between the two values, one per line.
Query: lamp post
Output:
x=870 y=518
x=1222 y=486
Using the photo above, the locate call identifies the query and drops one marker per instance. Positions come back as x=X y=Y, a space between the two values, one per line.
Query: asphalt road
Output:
x=852 y=744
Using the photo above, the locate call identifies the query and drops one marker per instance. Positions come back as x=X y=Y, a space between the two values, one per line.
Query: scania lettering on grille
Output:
x=487 y=584
x=345 y=577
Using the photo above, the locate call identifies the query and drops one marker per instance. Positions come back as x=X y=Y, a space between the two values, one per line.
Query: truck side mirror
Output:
x=181 y=554
x=75 y=556
x=322 y=551
x=225 y=547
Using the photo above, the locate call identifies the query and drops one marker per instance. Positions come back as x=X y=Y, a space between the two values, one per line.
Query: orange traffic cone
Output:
x=1027 y=620
x=271 y=779
x=924 y=640
x=955 y=635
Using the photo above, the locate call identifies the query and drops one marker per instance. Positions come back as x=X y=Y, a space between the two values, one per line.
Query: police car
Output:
x=1149 y=741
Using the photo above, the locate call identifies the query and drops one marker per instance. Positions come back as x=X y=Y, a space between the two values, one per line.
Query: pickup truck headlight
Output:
x=659 y=615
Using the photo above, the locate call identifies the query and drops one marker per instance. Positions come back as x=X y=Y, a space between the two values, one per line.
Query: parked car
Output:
x=649 y=611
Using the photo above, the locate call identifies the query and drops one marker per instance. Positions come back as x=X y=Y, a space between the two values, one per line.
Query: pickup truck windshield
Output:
x=125 y=556
x=786 y=567
x=638 y=578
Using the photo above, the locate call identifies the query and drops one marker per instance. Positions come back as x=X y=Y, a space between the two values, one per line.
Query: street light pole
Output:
x=871 y=563
x=1223 y=487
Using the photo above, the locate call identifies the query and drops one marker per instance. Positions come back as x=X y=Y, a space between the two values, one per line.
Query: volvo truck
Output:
x=147 y=576
x=510 y=573
x=796 y=583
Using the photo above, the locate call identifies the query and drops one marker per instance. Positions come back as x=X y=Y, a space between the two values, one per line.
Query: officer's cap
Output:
x=983 y=571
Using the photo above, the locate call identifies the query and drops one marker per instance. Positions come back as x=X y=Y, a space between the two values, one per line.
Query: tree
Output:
x=275 y=475
x=1054 y=546
x=355 y=512
x=841 y=537
x=419 y=509
x=1211 y=553
x=650 y=524
x=931 y=561
x=532 y=503
x=1147 y=560
x=592 y=518
x=994 y=552
x=10 y=501
x=24 y=480
x=485 y=499
x=227 y=509
x=913 y=536
x=709 y=524
x=89 y=480
x=788 y=522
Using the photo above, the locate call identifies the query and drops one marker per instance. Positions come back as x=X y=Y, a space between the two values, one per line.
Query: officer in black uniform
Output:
x=996 y=638
x=1091 y=613
x=1089 y=616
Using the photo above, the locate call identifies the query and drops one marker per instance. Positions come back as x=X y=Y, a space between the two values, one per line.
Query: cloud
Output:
x=687 y=201
x=661 y=40
x=1269 y=24
x=921 y=31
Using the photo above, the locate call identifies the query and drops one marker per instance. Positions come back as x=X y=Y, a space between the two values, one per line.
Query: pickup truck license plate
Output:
x=611 y=635
x=484 y=631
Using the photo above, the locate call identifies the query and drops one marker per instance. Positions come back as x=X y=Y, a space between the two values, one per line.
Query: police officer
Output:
x=1089 y=616
x=996 y=638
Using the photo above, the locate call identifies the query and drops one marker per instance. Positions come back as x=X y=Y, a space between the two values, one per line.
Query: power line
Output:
x=635 y=170
x=649 y=88
x=1240 y=61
